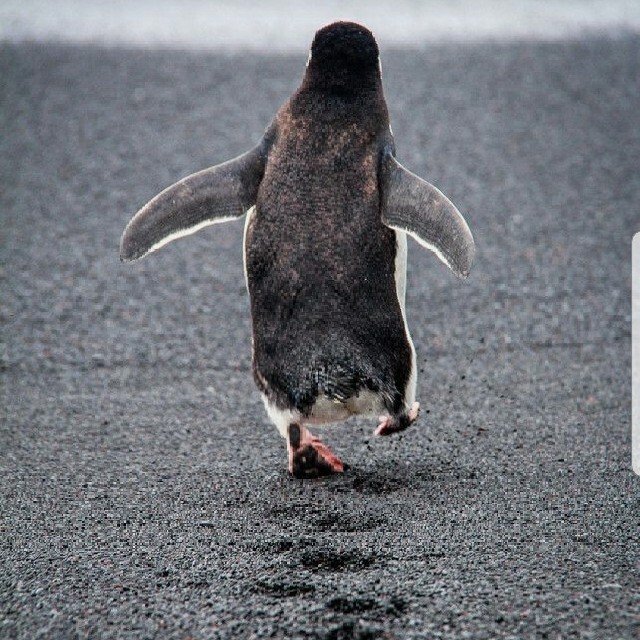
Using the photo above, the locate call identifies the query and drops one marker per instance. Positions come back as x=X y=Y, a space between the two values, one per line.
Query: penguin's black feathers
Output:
x=325 y=244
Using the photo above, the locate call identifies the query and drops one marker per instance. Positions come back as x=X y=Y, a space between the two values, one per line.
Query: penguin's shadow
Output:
x=382 y=478
x=355 y=501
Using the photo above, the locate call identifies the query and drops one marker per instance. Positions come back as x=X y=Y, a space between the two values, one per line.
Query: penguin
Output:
x=328 y=210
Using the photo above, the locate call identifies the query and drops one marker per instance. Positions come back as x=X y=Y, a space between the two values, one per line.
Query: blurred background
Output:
x=284 y=25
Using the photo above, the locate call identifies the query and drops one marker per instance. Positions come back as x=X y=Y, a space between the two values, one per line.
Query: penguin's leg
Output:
x=309 y=457
x=394 y=424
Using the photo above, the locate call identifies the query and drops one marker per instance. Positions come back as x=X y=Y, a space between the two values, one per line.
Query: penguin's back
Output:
x=321 y=264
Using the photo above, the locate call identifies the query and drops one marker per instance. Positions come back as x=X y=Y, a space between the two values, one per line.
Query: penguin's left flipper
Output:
x=411 y=204
x=216 y=194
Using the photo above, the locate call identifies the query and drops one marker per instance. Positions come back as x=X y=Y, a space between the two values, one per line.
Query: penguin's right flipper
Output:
x=217 y=194
x=413 y=205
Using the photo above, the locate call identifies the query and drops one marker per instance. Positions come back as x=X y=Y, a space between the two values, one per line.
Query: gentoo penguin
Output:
x=328 y=209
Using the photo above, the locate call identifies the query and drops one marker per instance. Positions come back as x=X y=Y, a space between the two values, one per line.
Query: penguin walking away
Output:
x=328 y=210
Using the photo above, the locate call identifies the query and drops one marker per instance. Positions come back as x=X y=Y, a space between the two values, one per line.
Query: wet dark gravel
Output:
x=143 y=491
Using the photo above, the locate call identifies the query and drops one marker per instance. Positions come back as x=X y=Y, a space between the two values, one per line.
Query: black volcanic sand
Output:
x=144 y=492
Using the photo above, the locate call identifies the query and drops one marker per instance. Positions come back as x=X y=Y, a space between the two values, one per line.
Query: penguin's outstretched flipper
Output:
x=411 y=204
x=213 y=195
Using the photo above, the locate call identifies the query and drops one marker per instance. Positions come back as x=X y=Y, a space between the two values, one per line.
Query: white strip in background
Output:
x=289 y=25
x=635 y=353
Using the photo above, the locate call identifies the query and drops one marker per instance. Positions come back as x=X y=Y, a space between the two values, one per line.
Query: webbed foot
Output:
x=389 y=425
x=309 y=457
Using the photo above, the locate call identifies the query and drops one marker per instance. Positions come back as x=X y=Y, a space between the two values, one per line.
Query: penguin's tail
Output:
x=342 y=383
x=337 y=382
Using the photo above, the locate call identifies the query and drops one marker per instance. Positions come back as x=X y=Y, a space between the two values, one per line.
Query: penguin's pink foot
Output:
x=308 y=456
x=389 y=425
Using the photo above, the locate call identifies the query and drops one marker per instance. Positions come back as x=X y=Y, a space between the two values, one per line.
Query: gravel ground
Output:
x=143 y=491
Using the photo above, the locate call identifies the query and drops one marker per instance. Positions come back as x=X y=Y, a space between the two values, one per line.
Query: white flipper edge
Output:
x=217 y=194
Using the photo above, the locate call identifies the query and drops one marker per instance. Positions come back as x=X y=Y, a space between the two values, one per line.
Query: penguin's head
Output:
x=343 y=53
